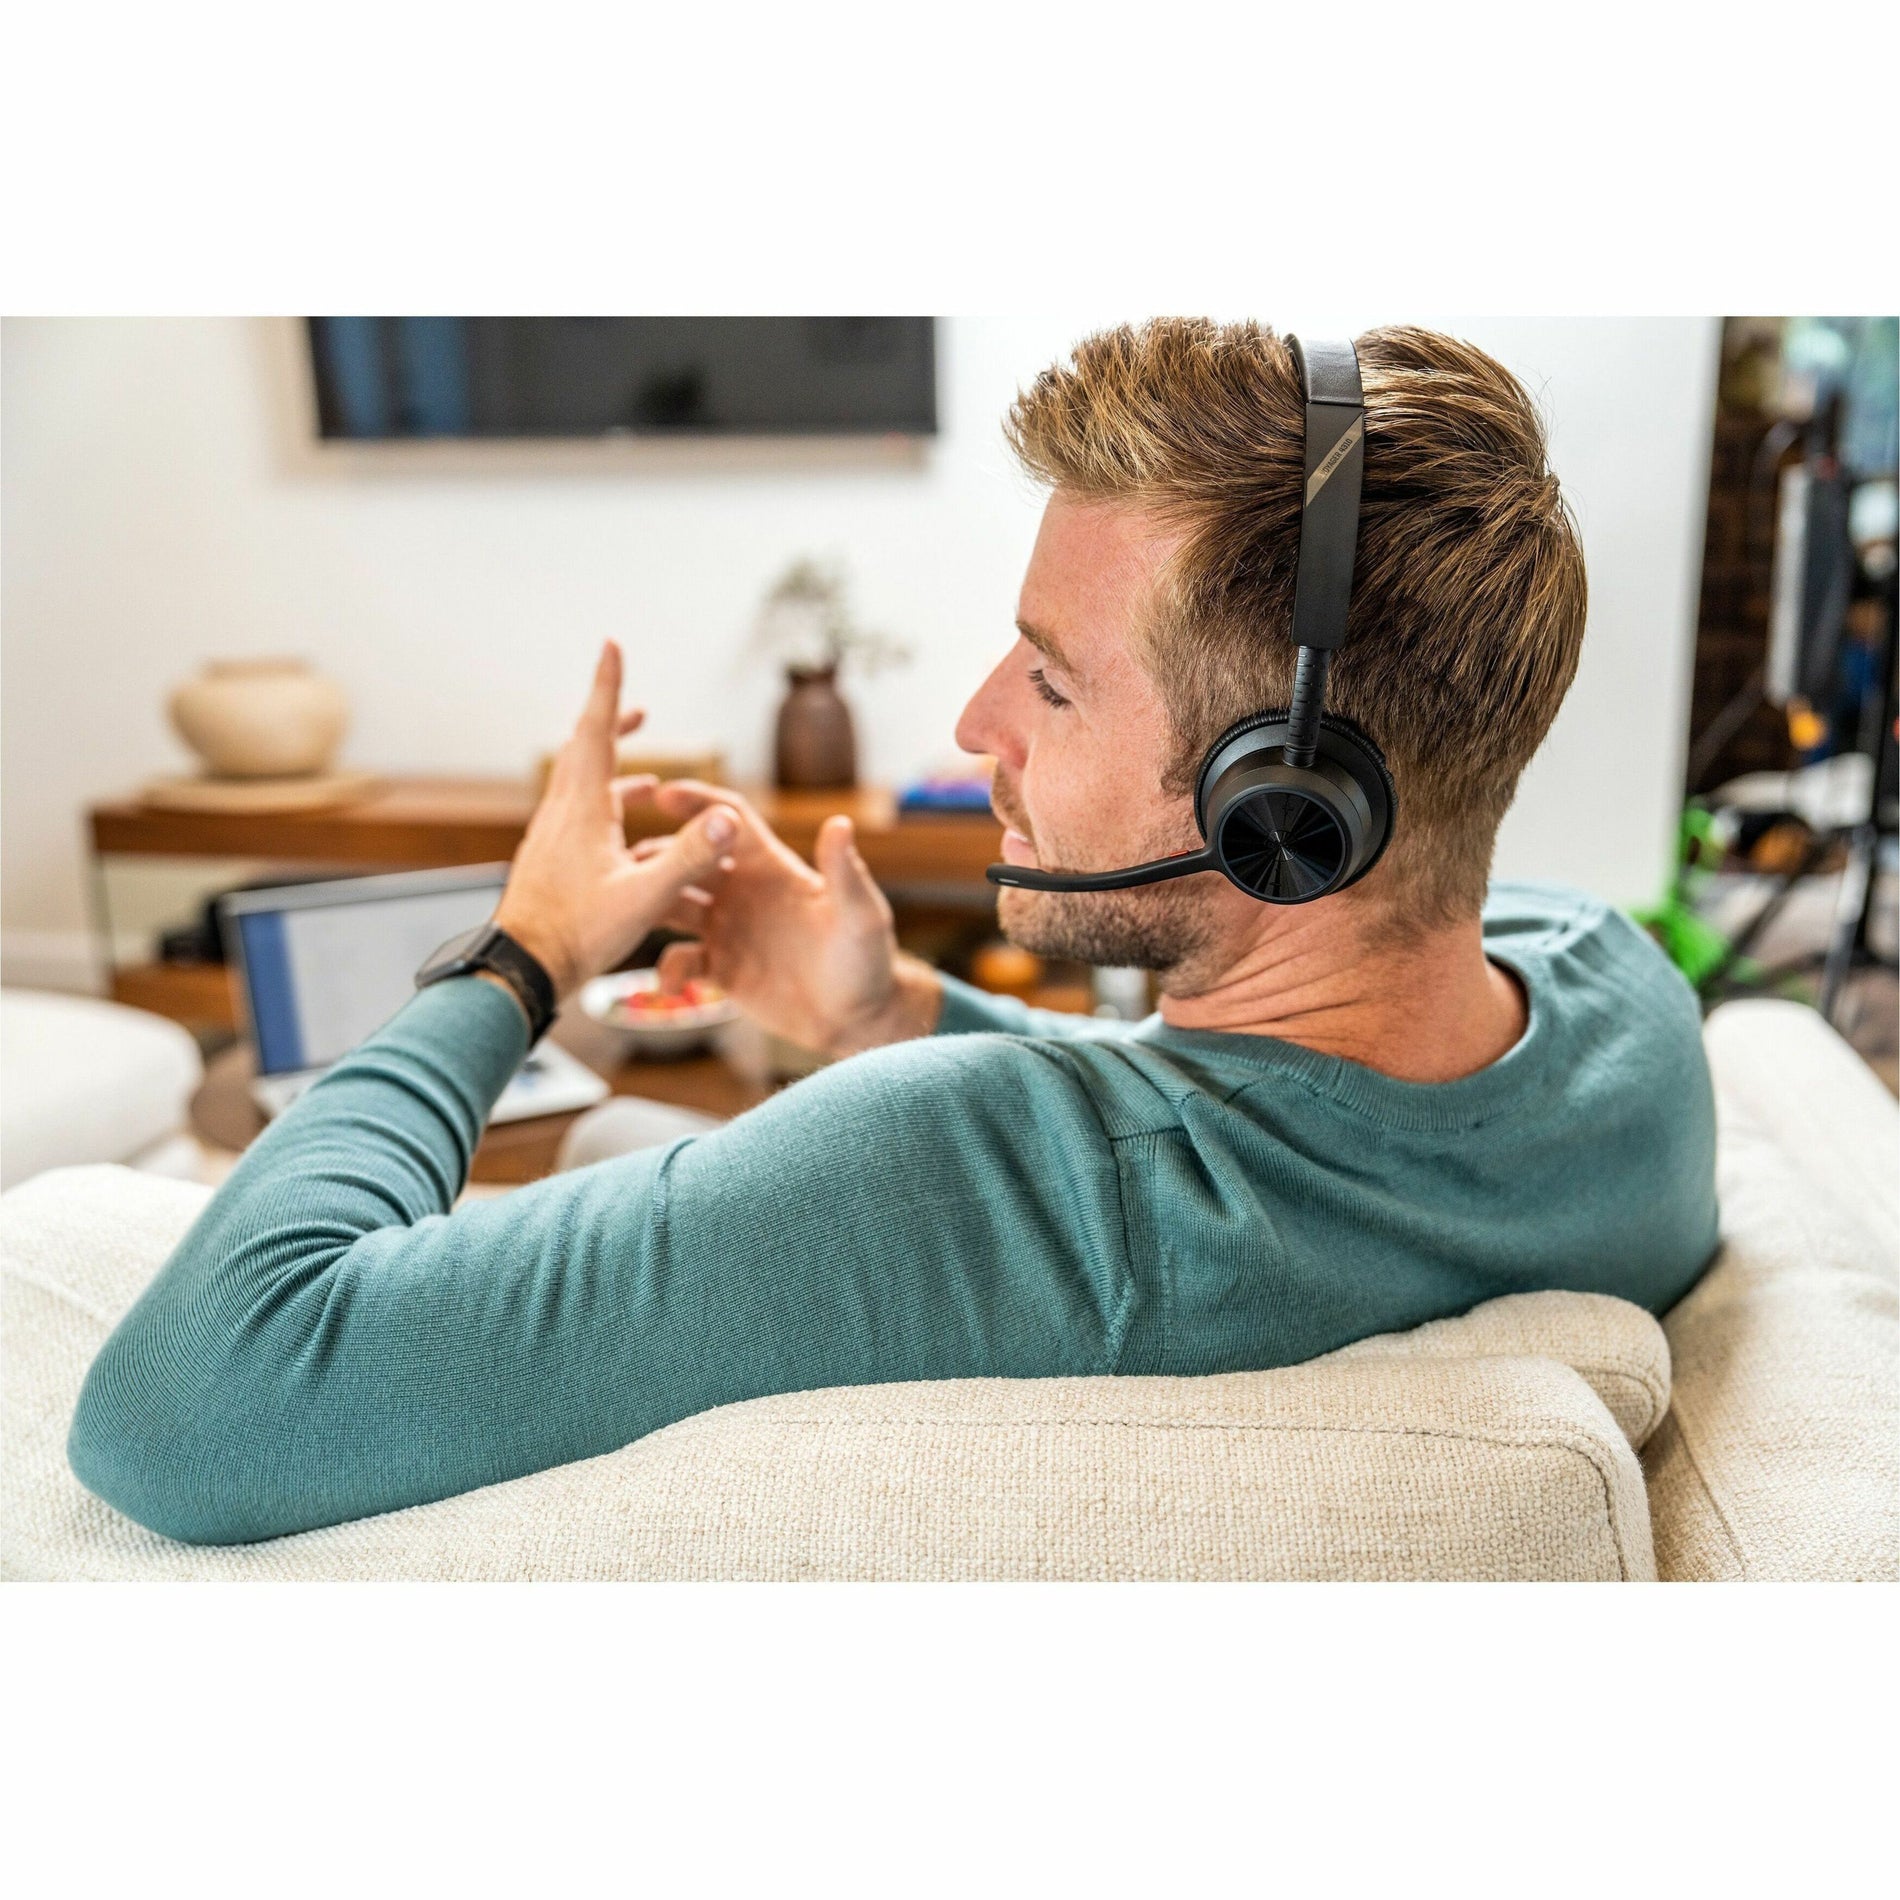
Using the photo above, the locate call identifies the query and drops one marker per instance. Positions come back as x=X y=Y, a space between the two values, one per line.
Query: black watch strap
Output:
x=522 y=971
x=492 y=949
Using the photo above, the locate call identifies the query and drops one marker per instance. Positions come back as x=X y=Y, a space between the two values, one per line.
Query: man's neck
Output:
x=1429 y=1009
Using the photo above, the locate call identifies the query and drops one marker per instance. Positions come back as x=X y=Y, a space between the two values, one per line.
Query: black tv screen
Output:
x=392 y=378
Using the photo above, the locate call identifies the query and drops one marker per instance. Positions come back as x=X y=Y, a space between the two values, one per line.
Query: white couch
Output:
x=1503 y=1444
x=86 y=1080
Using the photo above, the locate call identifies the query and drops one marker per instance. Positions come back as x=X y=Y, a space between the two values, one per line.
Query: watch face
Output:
x=455 y=952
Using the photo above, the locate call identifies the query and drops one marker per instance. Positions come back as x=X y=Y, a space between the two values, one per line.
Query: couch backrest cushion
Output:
x=1780 y=1458
x=1417 y=1461
x=1783 y=1076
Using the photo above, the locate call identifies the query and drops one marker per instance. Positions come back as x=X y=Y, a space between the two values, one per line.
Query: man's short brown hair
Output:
x=1468 y=589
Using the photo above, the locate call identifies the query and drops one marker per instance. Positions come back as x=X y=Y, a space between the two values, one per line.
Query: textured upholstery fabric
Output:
x=1780 y=1458
x=1463 y=1450
x=87 y=1080
x=1617 y=1348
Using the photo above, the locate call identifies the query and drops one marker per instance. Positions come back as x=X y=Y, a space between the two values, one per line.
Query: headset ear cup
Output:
x=1284 y=846
x=1289 y=835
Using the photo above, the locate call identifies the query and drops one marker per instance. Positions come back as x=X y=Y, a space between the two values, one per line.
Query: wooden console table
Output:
x=927 y=860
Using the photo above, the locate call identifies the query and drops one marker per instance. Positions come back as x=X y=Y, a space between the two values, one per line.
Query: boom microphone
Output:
x=1156 y=871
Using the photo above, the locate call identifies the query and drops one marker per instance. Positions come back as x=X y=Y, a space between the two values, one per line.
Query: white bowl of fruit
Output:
x=649 y=1022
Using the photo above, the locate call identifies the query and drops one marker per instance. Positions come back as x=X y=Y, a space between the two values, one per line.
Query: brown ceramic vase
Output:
x=816 y=746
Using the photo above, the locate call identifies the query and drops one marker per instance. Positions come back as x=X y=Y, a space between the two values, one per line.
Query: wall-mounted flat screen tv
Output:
x=403 y=378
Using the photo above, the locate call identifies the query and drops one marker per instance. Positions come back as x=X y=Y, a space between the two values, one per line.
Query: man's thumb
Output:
x=698 y=846
x=846 y=875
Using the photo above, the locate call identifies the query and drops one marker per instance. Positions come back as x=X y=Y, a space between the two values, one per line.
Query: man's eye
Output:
x=1047 y=693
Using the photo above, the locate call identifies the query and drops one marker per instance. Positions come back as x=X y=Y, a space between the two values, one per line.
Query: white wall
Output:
x=163 y=504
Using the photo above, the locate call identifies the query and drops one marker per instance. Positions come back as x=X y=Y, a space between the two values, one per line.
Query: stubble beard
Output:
x=1157 y=927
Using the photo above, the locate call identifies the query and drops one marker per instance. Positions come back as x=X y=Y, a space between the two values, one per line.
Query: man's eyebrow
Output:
x=1045 y=643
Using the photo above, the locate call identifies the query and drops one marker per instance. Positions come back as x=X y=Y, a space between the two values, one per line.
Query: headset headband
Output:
x=1335 y=464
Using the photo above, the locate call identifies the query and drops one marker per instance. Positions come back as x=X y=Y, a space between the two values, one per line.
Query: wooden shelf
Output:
x=196 y=994
x=417 y=823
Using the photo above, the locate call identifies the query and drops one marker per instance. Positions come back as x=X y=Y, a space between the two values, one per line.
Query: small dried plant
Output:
x=807 y=621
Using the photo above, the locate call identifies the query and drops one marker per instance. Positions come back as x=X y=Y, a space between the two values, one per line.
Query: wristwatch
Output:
x=487 y=948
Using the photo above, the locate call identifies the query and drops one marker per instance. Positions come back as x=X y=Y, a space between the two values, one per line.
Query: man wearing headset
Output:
x=1374 y=1094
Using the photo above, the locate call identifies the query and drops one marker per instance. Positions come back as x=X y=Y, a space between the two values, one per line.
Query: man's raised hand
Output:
x=577 y=899
x=809 y=953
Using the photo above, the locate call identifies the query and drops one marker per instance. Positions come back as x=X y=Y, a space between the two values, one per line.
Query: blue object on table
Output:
x=945 y=794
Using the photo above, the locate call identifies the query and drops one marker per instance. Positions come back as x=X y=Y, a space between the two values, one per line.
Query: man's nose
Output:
x=970 y=734
x=985 y=725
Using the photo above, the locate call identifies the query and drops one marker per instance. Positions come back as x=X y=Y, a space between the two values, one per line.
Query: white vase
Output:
x=260 y=718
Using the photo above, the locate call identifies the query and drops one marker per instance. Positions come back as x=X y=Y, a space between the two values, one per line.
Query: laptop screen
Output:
x=327 y=964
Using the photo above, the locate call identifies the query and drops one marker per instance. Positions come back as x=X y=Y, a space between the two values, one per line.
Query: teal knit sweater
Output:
x=1019 y=1195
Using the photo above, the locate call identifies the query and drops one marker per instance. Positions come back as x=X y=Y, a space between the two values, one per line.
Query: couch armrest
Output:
x=88 y=1081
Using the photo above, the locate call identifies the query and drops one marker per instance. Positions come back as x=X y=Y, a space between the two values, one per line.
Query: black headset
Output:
x=1295 y=803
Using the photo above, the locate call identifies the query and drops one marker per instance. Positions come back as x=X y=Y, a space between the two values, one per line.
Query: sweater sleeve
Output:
x=331 y=1341
x=970 y=1011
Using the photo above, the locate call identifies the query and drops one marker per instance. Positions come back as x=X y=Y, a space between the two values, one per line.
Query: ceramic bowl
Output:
x=660 y=1033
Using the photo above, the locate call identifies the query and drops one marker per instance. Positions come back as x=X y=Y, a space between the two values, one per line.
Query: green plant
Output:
x=1688 y=939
